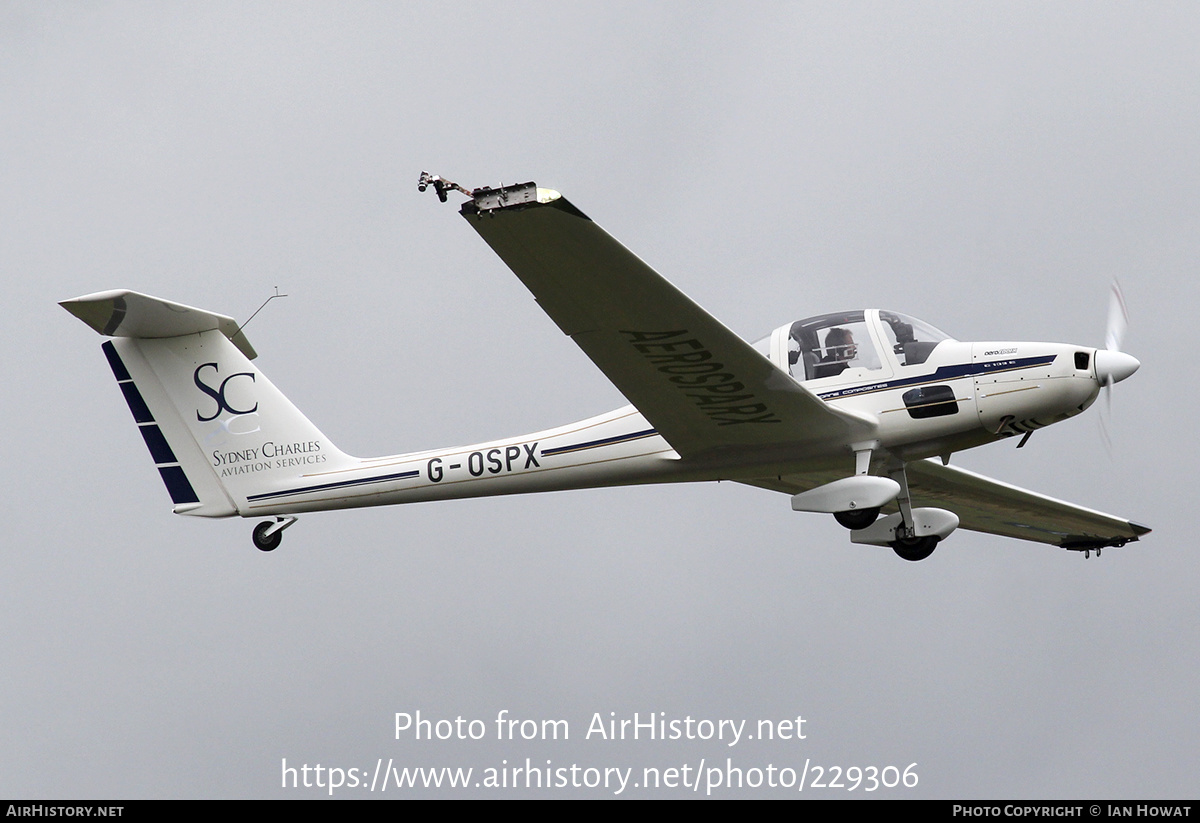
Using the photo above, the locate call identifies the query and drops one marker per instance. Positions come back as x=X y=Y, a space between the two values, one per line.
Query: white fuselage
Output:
x=973 y=393
x=962 y=395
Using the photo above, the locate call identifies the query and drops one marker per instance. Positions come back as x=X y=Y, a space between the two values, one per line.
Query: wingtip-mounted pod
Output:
x=485 y=199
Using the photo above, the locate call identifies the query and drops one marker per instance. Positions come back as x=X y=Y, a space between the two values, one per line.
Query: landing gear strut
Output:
x=910 y=547
x=855 y=502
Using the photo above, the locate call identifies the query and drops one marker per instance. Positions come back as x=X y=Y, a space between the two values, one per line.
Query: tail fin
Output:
x=219 y=432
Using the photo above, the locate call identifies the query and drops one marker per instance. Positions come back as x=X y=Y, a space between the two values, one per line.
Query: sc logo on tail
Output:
x=218 y=394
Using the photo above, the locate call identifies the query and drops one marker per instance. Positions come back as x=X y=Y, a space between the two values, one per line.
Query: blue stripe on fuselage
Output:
x=592 y=444
x=943 y=374
x=340 y=484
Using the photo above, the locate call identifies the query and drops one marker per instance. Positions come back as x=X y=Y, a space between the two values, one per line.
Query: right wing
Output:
x=702 y=387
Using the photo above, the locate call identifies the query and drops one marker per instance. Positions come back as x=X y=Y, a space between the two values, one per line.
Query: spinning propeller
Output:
x=1112 y=364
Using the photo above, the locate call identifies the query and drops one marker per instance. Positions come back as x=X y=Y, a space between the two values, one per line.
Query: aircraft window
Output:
x=911 y=339
x=827 y=345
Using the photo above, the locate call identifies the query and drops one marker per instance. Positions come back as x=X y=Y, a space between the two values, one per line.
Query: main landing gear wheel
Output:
x=857 y=518
x=915 y=548
x=267 y=542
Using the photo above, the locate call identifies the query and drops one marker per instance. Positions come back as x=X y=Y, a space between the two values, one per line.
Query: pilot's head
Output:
x=839 y=345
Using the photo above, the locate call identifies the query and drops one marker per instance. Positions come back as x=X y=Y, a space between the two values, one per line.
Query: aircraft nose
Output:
x=1115 y=366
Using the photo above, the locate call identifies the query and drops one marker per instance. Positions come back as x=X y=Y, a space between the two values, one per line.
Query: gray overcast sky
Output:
x=987 y=167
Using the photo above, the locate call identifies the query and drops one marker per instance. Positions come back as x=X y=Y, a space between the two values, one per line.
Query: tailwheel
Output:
x=268 y=535
x=915 y=548
x=857 y=518
x=267 y=542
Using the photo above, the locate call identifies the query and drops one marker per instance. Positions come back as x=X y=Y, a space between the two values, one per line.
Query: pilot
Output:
x=839 y=346
x=839 y=351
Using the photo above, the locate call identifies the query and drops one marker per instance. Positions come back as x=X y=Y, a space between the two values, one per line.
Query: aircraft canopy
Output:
x=827 y=344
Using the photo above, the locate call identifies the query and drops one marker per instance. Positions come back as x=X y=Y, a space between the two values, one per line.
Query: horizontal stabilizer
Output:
x=122 y=313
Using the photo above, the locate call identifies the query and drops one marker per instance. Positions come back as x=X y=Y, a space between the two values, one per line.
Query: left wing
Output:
x=700 y=385
x=986 y=505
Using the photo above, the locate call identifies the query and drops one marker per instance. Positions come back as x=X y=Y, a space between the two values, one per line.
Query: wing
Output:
x=986 y=505
x=700 y=385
